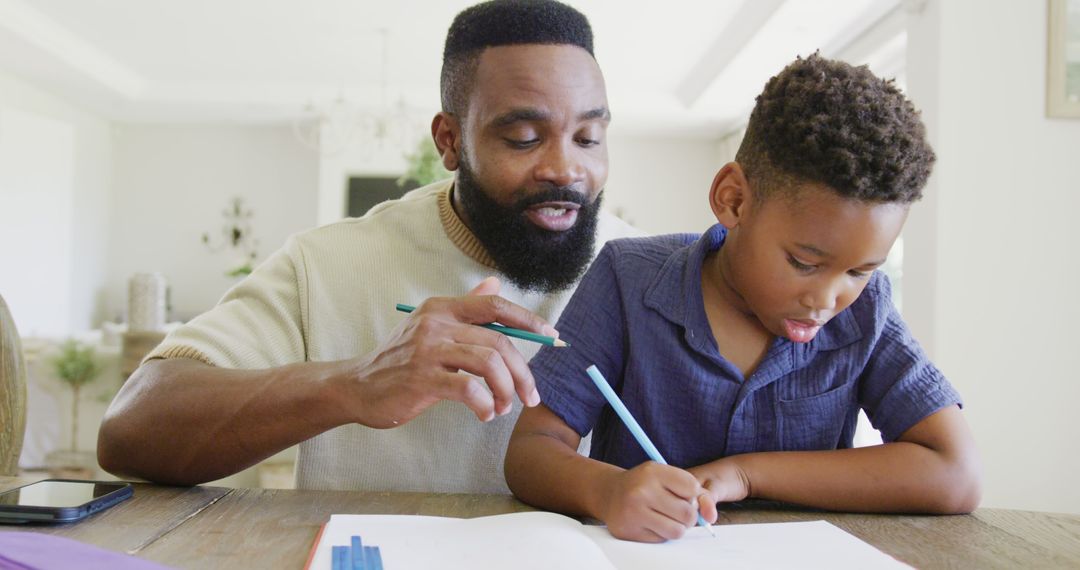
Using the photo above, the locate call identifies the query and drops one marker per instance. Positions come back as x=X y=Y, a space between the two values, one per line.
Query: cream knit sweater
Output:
x=329 y=294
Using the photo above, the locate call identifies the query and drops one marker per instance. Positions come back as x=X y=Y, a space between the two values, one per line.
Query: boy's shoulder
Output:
x=876 y=296
x=647 y=263
x=874 y=308
x=635 y=266
x=648 y=250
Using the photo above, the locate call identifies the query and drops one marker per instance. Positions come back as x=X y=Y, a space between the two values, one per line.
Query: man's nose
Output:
x=560 y=165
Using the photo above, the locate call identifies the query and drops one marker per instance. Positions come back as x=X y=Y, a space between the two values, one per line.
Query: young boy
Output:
x=747 y=353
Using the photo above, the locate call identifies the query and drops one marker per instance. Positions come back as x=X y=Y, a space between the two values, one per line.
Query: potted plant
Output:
x=76 y=366
x=424 y=165
x=236 y=234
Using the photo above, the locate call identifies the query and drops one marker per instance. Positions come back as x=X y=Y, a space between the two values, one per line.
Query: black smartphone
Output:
x=60 y=500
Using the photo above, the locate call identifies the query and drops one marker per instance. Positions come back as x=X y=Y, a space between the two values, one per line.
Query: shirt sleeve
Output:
x=593 y=324
x=257 y=324
x=900 y=386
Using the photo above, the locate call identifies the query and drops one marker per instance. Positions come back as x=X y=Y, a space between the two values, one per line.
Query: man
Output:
x=309 y=348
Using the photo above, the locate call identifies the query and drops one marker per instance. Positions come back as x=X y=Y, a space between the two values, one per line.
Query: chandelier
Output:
x=332 y=127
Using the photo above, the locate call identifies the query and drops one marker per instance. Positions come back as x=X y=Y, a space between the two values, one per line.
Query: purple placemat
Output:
x=36 y=551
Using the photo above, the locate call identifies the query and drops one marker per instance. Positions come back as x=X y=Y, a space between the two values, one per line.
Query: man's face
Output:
x=798 y=261
x=533 y=161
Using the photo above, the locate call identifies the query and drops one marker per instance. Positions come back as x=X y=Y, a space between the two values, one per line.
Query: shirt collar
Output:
x=675 y=293
x=456 y=230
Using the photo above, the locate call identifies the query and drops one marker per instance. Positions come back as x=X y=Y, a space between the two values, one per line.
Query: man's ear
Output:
x=730 y=195
x=446 y=132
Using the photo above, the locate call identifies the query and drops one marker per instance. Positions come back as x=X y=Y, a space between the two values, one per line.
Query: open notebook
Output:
x=551 y=541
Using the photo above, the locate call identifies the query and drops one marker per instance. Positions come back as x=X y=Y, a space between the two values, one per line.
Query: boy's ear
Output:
x=446 y=132
x=730 y=195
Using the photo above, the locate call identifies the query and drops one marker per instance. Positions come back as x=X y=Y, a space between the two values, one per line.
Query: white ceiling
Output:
x=685 y=66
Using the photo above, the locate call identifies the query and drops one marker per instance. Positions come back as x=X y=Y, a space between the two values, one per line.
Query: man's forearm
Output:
x=180 y=421
x=896 y=477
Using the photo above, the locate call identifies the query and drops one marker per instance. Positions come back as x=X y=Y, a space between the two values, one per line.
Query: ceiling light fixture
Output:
x=342 y=124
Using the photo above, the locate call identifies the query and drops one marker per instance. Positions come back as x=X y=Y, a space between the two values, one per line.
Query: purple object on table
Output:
x=37 y=551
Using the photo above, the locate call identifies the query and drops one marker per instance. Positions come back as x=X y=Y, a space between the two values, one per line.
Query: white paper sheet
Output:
x=522 y=541
x=550 y=541
x=804 y=545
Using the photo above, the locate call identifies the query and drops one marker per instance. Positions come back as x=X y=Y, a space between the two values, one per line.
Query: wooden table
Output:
x=214 y=527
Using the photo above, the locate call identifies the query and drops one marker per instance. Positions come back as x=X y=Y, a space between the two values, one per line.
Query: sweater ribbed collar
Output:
x=460 y=234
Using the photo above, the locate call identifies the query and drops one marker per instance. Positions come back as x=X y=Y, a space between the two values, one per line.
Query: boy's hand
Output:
x=652 y=503
x=724 y=482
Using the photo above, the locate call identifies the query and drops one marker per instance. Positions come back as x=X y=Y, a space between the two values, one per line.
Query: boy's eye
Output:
x=517 y=143
x=859 y=274
x=800 y=266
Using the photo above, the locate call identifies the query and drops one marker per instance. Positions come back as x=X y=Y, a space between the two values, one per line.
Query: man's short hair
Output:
x=501 y=23
x=826 y=122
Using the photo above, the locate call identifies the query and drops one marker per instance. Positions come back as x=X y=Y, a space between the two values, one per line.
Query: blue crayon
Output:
x=357 y=554
x=372 y=558
x=339 y=558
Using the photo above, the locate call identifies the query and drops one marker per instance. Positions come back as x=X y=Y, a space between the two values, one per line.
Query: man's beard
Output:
x=532 y=258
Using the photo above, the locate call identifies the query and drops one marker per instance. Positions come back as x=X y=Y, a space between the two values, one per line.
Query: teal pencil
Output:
x=508 y=331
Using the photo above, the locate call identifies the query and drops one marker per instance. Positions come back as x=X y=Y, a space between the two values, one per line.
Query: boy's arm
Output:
x=932 y=468
x=649 y=503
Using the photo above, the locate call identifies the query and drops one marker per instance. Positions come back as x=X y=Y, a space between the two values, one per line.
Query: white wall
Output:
x=362 y=158
x=661 y=184
x=172 y=183
x=991 y=262
x=658 y=183
x=36 y=156
x=55 y=149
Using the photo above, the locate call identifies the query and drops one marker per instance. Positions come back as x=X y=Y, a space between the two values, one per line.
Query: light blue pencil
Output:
x=634 y=427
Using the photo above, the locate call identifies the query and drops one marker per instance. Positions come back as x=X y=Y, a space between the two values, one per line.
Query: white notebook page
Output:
x=541 y=540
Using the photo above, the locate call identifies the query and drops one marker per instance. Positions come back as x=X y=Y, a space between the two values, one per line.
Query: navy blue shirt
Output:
x=638 y=315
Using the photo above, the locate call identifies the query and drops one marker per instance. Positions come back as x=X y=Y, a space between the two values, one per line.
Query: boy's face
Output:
x=797 y=261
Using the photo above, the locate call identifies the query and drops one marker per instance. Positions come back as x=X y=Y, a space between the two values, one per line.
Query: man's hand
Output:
x=652 y=503
x=438 y=354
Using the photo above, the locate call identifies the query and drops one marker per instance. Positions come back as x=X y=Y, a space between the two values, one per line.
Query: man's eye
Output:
x=800 y=266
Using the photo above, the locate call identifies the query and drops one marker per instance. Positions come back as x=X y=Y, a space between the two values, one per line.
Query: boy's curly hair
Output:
x=500 y=23
x=826 y=122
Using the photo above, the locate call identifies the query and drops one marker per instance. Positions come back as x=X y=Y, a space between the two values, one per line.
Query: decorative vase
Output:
x=146 y=302
x=12 y=394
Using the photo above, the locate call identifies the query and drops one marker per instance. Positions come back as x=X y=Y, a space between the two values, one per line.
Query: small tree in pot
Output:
x=76 y=366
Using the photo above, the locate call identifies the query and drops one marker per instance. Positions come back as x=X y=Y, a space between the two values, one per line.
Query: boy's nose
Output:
x=819 y=300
